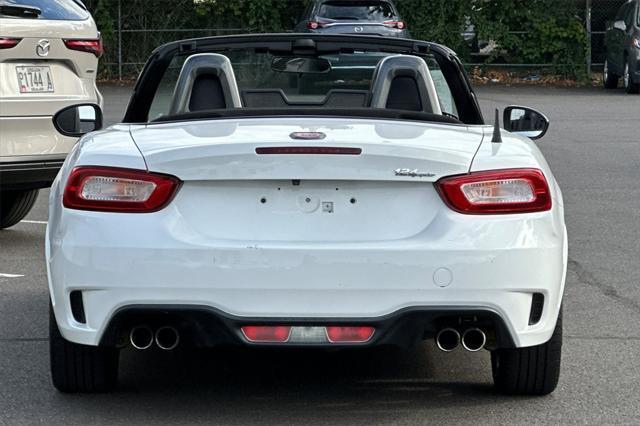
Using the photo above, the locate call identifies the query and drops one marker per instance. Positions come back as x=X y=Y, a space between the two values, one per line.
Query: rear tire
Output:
x=610 y=80
x=80 y=368
x=15 y=205
x=529 y=371
x=629 y=85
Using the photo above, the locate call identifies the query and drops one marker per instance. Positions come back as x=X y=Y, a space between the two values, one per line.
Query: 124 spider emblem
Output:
x=412 y=173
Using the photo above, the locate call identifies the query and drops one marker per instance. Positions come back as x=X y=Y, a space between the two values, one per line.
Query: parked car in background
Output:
x=369 y=206
x=49 y=51
x=364 y=17
x=623 y=49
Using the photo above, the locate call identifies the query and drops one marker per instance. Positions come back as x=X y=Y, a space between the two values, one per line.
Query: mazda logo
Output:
x=42 y=48
x=358 y=29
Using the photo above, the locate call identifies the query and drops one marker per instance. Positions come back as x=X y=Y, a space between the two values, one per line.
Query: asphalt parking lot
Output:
x=594 y=150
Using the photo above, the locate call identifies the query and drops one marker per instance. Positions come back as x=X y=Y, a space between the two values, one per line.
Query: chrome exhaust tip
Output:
x=141 y=337
x=448 y=339
x=474 y=339
x=167 y=338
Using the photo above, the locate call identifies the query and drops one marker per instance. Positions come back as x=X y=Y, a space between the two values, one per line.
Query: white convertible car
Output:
x=305 y=191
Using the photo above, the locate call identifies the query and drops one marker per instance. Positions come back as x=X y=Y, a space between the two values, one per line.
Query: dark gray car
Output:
x=365 y=17
x=623 y=49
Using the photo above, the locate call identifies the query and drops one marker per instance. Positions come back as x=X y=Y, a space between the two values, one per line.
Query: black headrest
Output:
x=404 y=82
x=206 y=81
x=207 y=94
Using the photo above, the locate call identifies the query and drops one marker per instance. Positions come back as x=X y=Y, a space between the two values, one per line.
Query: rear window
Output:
x=59 y=10
x=361 y=11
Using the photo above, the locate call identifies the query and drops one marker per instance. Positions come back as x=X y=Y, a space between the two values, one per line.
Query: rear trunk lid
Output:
x=227 y=149
x=40 y=75
x=361 y=28
x=230 y=192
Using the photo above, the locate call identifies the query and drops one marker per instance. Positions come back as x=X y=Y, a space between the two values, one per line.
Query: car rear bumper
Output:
x=32 y=136
x=460 y=263
x=204 y=326
x=29 y=172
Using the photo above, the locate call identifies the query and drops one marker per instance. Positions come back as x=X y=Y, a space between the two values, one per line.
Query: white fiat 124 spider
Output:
x=305 y=191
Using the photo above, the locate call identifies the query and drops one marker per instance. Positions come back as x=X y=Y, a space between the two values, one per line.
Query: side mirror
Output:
x=525 y=122
x=620 y=25
x=78 y=120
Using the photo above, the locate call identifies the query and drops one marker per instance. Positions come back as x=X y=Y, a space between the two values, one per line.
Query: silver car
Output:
x=363 y=17
x=49 y=51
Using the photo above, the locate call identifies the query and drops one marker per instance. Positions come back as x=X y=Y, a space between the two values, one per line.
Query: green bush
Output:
x=525 y=31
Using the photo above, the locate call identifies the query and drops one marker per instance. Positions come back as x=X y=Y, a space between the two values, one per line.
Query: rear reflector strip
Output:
x=349 y=334
x=307 y=334
x=308 y=150
x=266 y=334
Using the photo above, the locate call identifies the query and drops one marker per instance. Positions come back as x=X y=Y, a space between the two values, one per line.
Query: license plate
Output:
x=35 y=79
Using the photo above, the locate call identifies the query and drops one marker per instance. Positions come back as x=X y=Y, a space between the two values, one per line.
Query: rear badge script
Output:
x=413 y=173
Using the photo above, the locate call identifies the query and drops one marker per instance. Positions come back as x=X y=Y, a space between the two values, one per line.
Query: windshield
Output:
x=266 y=80
x=375 y=11
x=61 y=10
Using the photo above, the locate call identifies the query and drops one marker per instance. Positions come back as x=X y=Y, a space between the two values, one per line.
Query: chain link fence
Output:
x=132 y=29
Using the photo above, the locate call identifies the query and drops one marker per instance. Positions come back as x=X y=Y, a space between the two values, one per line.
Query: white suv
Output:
x=49 y=51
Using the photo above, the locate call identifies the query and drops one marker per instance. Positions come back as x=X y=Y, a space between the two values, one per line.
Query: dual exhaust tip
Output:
x=472 y=339
x=166 y=338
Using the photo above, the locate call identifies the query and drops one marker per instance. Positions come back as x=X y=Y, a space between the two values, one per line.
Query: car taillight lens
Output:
x=359 y=334
x=8 y=43
x=266 y=333
x=114 y=190
x=90 y=46
x=396 y=24
x=497 y=192
x=313 y=25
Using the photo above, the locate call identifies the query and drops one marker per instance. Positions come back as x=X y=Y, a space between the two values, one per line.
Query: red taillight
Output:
x=497 y=192
x=396 y=24
x=89 y=46
x=308 y=150
x=358 y=334
x=266 y=333
x=8 y=43
x=114 y=190
x=314 y=25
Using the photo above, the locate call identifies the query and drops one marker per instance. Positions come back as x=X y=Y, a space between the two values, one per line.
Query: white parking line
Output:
x=10 y=276
x=36 y=222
